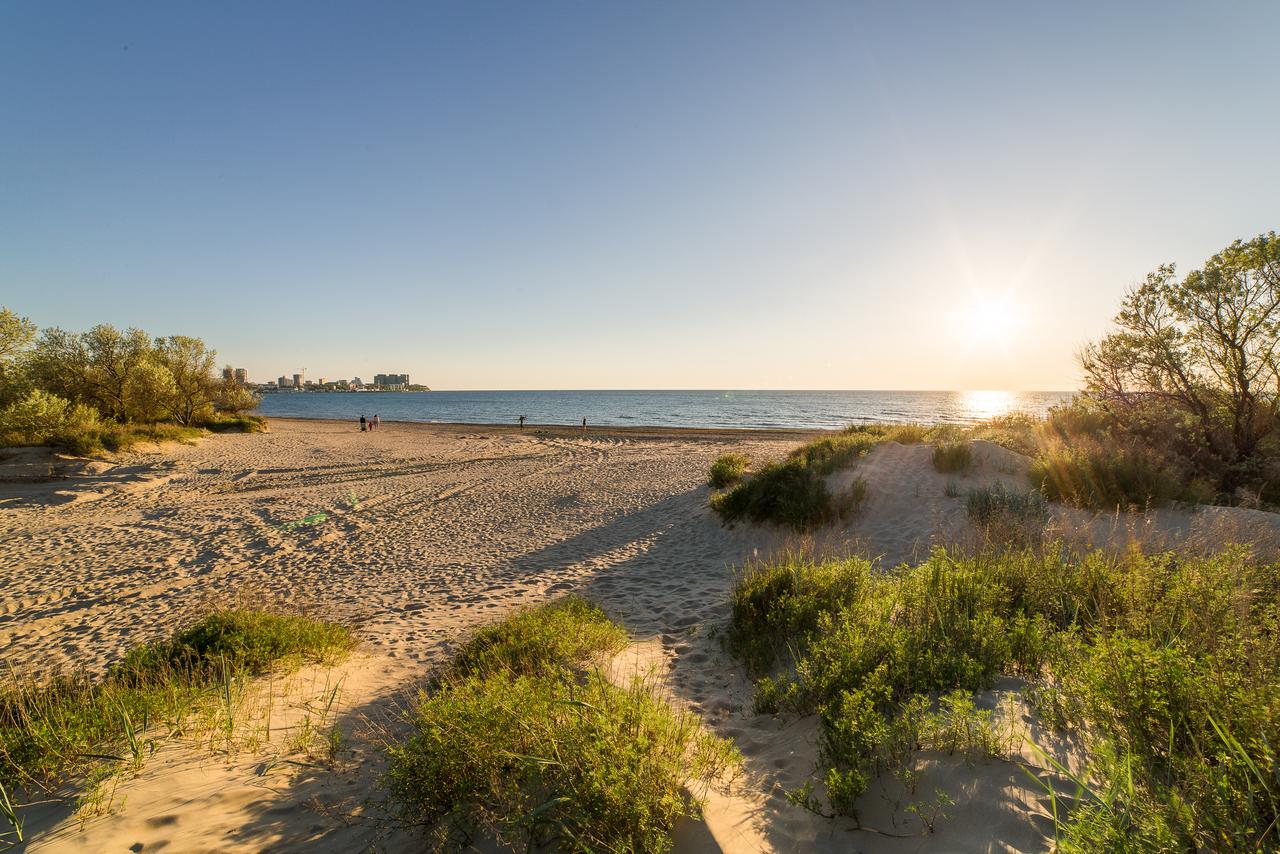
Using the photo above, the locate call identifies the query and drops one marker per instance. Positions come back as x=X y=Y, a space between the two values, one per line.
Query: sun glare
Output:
x=987 y=322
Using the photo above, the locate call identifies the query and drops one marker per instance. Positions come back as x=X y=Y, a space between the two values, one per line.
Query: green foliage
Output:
x=519 y=740
x=907 y=434
x=109 y=376
x=986 y=504
x=227 y=423
x=953 y=456
x=568 y=632
x=51 y=729
x=728 y=470
x=794 y=492
x=1190 y=370
x=1168 y=661
x=1103 y=476
x=826 y=455
x=39 y=417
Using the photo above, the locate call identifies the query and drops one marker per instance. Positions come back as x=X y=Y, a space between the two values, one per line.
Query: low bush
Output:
x=728 y=470
x=1167 y=662
x=522 y=741
x=825 y=455
x=794 y=492
x=953 y=456
x=56 y=727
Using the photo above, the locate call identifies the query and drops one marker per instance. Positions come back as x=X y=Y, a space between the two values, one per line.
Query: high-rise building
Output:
x=283 y=382
x=297 y=380
x=391 y=380
x=227 y=375
x=242 y=376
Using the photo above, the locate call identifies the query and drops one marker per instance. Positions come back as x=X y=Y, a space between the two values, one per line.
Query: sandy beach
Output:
x=415 y=534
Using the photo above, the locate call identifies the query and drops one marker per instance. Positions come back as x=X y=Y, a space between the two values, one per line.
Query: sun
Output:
x=987 y=321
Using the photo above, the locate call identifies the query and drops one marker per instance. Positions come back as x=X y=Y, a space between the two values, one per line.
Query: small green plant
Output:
x=57 y=727
x=951 y=457
x=524 y=738
x=728 y=470
x=11 y=817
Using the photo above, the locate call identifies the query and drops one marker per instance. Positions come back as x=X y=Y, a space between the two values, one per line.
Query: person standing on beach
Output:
x=584 y=425
x=521 y=422
x=376 y=421
x=363 y=424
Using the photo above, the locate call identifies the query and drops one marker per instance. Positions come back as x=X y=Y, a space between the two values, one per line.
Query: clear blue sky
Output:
x=644 y=195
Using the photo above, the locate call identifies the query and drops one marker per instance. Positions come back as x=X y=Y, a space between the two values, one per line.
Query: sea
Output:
x=715 y=409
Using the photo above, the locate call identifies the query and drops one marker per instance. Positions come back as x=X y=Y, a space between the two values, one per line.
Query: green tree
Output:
x=235 y=397
x=1199 y=356
x=16 y=335
x=191 y=365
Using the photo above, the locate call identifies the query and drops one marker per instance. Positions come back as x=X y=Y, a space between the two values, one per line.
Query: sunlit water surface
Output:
x=755 y=409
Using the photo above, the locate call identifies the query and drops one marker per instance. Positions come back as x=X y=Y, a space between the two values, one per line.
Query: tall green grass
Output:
x=55 y=728
x=526 y=739
x=1104 y=476
x=1168 y=662
x=956 y=456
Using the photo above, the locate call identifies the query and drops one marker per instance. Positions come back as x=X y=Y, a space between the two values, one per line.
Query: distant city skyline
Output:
x=741 y=195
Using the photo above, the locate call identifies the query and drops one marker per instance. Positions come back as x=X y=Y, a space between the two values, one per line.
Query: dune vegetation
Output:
x=727 y=470
x=525 y=738
x=1165 y=664
x=52 y=729
x=107 y=390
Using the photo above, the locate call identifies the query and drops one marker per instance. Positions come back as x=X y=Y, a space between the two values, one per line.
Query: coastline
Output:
x=455 y=428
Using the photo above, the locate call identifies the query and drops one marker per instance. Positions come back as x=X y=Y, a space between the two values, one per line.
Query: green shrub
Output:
x=1167 y=661
x=784 y=493
x=40 y=416
x=728 y=470
x=54 y=728
x=826 y=455
x=953 y=456
x=519 y=741
x=569 y=632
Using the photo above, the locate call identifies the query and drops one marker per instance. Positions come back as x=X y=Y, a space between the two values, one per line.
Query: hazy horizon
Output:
x=723 y=196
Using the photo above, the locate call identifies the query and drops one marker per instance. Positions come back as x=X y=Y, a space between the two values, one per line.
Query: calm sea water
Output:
x=757 y=409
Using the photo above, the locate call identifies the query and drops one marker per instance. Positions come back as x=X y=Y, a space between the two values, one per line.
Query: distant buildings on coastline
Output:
x=381 y=382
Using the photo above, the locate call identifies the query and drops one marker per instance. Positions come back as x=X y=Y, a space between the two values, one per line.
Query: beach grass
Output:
x=1166 y=664
x=523 y=737
x=728 y=470
x=953 y=457
x=56 y=728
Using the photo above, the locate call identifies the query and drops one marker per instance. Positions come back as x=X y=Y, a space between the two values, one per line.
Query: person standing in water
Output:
x=363 y=424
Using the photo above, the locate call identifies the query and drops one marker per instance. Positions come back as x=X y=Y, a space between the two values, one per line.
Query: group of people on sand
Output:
x=369 y=423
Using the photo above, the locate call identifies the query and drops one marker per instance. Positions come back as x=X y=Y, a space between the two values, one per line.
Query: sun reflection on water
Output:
x=984 y=405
